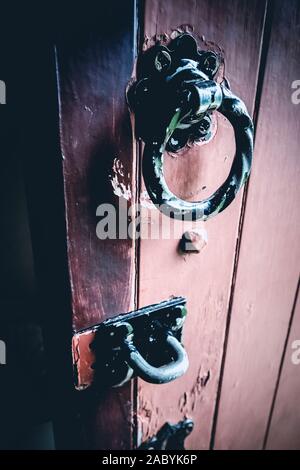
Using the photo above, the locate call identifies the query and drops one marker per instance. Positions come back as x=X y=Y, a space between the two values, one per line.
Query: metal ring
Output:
x=236 y=112
x=158 y=375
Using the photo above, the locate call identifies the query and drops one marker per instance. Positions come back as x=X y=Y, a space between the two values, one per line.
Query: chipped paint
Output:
x=119 y=182
x=194 y=240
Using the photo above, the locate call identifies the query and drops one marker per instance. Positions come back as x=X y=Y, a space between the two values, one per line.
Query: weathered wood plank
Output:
x=204 y=278
x=268 y=268
x=95 y=64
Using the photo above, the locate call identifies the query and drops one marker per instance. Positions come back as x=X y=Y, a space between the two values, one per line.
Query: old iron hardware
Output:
x=173 y=99
x=144 y=343
x=170 y=437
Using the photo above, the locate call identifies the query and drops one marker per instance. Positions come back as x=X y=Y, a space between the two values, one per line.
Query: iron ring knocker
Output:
x=182 y=78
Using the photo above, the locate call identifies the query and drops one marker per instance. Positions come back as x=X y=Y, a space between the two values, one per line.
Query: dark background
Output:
x=28 y=133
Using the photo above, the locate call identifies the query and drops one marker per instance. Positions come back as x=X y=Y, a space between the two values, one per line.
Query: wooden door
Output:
x=242 y=285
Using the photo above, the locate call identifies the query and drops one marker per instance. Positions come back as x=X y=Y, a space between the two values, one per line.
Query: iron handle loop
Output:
x=236 y=112
x=162 y=374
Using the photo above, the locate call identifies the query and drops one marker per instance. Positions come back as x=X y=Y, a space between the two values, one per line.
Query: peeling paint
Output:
x=83 y=358
x=188 y=401
x=193 y=241
x=148 y=418
x=121 y=187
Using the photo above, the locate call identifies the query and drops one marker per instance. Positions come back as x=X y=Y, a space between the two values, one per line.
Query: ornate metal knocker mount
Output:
x=173 y=98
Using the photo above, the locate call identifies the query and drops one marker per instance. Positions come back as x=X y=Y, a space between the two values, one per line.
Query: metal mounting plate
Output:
x=97 y=355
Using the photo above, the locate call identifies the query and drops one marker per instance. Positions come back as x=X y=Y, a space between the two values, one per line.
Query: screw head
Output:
x=204 y=125
x=162 y=61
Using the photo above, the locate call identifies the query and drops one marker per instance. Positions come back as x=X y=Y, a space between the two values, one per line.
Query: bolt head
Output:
x=210 y=63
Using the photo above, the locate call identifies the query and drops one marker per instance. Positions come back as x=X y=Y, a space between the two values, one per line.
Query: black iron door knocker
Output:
x=173 y=99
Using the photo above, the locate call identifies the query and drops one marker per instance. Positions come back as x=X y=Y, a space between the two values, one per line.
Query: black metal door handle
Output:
x=162 y=374
x=144 y=343
x=169 y=436
x=173 y=103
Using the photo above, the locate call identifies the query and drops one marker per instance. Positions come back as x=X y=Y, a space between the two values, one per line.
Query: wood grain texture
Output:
x=94 y=70
x=284 y=431
x=95 y=64
x=268 y=268
x=204 y=278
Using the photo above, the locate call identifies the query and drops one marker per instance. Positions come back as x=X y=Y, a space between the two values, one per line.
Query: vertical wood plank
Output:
x=41 y=158
x=284 y=432
x=268 y=268
x=204 y=278
x=95 y=63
